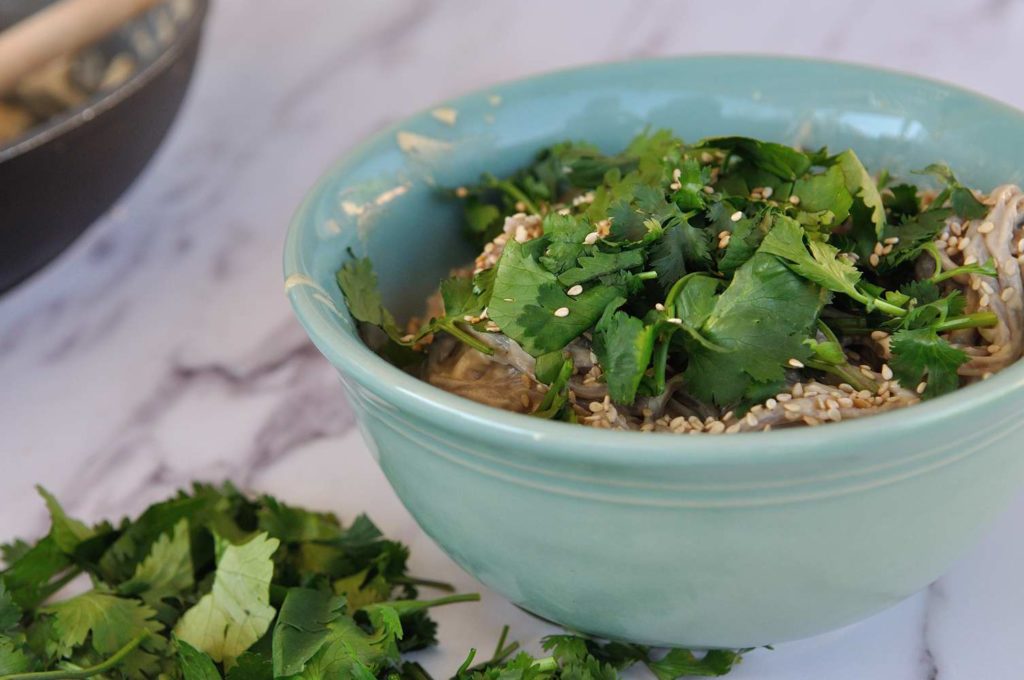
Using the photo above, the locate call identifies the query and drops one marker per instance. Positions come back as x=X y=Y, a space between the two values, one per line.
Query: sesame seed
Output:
x=660 y=307
x=1007 y=294
x=751 y=420
x=784 y=396
x=562 y=312
x=834 y=414
x=575 y=290
x=591 y=238
x=709 y=190
x=767 y=192
x=716 y=427
x=793 y=408
x=678 y=322
x=964 y=242
x=722 y=234
x=736 y=216
x=879 y=335
x=984 y=301
x=524 y=399
x=994 y=348
x=987 y=288
x=1020 y=246
x=1010 y=268
x=886 y=250
x=878 y=249
x=867 y=372
x=794 y=199
x=970 y=259
x=732 y=429
x=596 y=407
x=986 y=227
x=886 y=372
x=795 y=363
x=892 y=240
x=771 y=403
x=874 y=259
x=812 y=421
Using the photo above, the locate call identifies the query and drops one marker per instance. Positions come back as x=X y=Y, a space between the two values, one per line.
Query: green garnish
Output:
x=781 y=239
x=213 y=585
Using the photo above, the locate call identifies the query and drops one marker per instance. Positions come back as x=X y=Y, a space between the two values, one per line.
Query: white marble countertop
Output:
x=160 y=348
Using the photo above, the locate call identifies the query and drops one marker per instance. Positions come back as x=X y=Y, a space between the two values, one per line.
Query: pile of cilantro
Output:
x=799 y=276
x=211 y=584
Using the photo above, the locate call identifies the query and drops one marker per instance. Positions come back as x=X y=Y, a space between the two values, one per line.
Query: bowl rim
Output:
x=95 y=106
x=573 y=443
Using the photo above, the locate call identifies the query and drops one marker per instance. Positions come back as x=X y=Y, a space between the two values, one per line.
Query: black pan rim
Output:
x=94 y=108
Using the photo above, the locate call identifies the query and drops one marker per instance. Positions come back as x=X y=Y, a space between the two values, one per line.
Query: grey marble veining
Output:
x=160 y=349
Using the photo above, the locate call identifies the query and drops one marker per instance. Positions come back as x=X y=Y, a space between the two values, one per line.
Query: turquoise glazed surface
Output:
x=732 y=541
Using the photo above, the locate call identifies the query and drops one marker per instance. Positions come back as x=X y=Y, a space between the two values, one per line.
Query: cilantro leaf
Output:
x=195 y=665
x=597 y=264
x=251 y=666
x=915 y=234
x=962 y=199
x=681 y=248
x=682 y=663
x=110 y=622
x=825 y=191
x=555 y=401
x=862 y=187
x=623 y=345
x=921 y=355
x=902 y=202
x=166 y=571
x=13 y=658
x=236 y=612
x=526 y=297
x=358 y=281
x=301 y=628
x=67 y=532
x=778 y=159
x=816 y=261
x=761 y=320
x=28 y=579
x=693 y=177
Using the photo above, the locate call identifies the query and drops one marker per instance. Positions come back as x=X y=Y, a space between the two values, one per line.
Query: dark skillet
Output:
x=60 y=176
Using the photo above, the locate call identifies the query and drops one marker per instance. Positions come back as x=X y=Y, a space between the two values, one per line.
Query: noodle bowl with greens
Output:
x=726 y=286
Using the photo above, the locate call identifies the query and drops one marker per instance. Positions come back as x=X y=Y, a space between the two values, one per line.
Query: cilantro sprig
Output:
x=214 y=585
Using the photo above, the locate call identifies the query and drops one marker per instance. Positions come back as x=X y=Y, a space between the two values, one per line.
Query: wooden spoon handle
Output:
x=61 y=28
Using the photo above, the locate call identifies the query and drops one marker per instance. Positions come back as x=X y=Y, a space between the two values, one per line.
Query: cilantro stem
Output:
x=647 y=276
x=453 y=329
x=976 y=320
x=987 y=269
x=878 y=303
x=844 y=372
x=517 y=193
x=426 y=583
x=447 y=599
x=660 y=360
x=115 y=659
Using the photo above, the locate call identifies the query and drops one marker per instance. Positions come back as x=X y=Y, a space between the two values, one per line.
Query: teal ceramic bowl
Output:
x=729 y=541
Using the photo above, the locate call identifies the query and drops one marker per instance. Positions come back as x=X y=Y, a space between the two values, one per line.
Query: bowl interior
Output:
x=385 y=200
